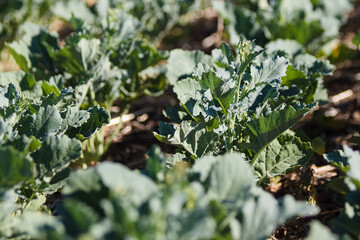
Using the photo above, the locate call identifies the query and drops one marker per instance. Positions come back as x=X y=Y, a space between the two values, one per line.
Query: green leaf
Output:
x=78 y=217
x=39 y=226
x=98 y=117
x=356 y=39
x=20 y=52
x=338 y=159
x=86 y=186
x=76 y=118
x=8 y=206
x=320 y=231
x=226 y=50
x=137 y=187
x=265 y=129
x=269 y=70
x=257 y=213
x=15 y=167
x=47 y=121
x=56 y=153
x=222 y=173
x=222 y=89
x=262 y=214
x=155 y=164
x=192 y=136
x=66 y=9
x=182 y=63
x=283 y=153
x=354 y=163
x=48 y=89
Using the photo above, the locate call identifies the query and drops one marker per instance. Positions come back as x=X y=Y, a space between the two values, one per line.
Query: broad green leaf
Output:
x=186 y=89
x=269 y=70
x=222 y=87
x=77 y=216
x=56 y=153
x=115 y=176
x=265 y=129
x=76 y=118
x=66 y=9
x=48 y=89
x=25 y=144
x=262 y=214
x=283 y=153
x=15 y=167
x=86 y=186
x=194 y=224
x=338 y=159
x=229 y=177
x=182 y=63
x=320 y=231
x=39 y=225
x=192 y=136
x=5 y=129
x=21 y=54
x=8 y=206
x=47 y=121
x=353 y=158
x=98 y=117
x=294 y=76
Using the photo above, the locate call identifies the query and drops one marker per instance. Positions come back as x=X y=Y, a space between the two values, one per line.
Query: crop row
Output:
x=232 y=125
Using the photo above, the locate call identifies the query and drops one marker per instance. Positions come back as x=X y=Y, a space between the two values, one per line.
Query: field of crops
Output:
x=188 y=119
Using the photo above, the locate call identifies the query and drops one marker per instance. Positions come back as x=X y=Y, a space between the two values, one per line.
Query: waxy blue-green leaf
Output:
x=193 y=137
x=320 y=231
x=269 y=70
x=338 y=159
x=181 y=64
x=136 y=186
x=56 y=153
x=229 y=177
x=15 y=167
x=222 y=87
x=47 y=121
x=21 y=54
x=98 y=117
x=283 y=153
x=76 y=118
x=314 y=24
x=260 y=215
x=38 y=225
x=265 y=129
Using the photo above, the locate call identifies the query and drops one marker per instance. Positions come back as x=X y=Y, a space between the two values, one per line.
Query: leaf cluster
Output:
x=39 y=138
x=216 y=199
x=313 y=24
x=101 y=64
x=236 y=103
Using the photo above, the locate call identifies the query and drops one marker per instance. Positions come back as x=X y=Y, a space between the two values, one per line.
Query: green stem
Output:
x=231 y=122
x=227 y=220
x=32 y=196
